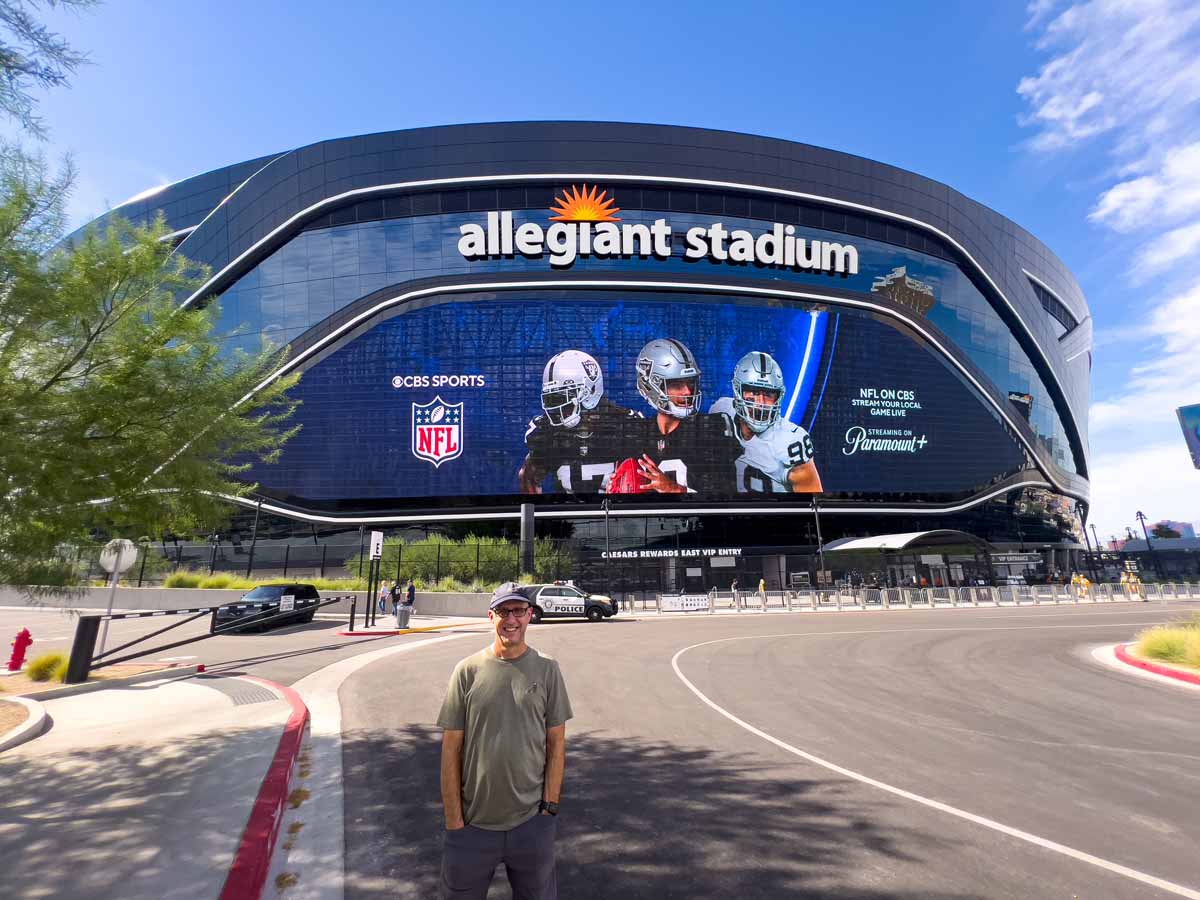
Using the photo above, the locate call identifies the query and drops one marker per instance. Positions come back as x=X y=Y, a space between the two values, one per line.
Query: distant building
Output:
x=908 y=292
x=1185 y=529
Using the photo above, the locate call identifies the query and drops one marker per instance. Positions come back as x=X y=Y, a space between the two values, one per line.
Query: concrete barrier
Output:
x=429 y=603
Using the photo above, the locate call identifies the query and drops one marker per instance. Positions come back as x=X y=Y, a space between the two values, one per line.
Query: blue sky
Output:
x=1081 y=122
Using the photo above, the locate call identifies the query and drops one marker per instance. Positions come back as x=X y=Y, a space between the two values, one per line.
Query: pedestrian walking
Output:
x=503 y=754
x=394 y=595
x=383 y=596
x=737 y=601
x=762 y=594
x=410 y=593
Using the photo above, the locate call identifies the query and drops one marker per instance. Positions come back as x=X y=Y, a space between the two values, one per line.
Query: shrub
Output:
x=182 y=580
x=1168 y=644
x=46 y=666
x=216 y=582
x=1191 y=648
x=60 y=671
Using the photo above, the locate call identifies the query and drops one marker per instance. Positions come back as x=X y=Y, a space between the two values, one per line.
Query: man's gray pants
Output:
x=470 y=857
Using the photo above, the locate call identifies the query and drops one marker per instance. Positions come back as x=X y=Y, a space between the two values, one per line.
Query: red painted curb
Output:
x=1153 y=667
x=248 y=874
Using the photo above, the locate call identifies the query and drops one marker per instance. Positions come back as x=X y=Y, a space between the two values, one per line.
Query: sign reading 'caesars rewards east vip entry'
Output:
x=585 y=224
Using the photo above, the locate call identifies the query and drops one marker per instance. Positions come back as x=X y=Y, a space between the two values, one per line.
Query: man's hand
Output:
x=658 y=480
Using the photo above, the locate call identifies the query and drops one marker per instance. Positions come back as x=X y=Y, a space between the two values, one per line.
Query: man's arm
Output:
x=556 y=762
x=805 y=479
x=452 y=742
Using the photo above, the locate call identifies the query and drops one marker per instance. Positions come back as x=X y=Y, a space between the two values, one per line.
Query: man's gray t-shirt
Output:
x=504 y=708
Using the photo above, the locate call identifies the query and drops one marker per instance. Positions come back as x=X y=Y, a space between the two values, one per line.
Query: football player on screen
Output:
x=581 y=434
x=777 y=455
x=684 y=451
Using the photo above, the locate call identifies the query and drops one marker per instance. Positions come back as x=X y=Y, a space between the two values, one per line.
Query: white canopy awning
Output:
x=909 y=540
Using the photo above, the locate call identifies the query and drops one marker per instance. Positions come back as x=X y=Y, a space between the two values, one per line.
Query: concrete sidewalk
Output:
x=138 y=792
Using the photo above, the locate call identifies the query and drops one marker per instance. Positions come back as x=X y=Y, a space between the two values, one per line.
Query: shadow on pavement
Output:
x=639 y=819
x=151 y=821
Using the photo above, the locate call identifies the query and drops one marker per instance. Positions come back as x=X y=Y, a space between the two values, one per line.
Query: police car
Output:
x=561 y=600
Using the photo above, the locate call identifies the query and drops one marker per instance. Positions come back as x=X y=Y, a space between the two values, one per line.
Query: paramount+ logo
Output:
x=584 y=223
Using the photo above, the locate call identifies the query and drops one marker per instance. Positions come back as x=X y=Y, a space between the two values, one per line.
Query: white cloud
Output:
x=1178 y=244
x=1168 y=378
x=1121 y=65
x=1166 y=196
x=1157 y=479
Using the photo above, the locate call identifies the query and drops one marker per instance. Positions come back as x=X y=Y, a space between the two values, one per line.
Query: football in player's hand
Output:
x=627 y=479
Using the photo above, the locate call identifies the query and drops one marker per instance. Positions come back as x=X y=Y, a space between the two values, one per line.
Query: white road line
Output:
x=1034 y=839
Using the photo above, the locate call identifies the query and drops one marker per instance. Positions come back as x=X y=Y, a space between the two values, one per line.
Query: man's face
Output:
x=760 y=395
x=510 y=619
x=682 y=391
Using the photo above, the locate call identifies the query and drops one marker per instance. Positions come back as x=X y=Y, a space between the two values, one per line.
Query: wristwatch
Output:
x=548 y=806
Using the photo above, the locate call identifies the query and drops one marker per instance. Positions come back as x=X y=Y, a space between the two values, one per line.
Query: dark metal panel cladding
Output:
x=273 y=190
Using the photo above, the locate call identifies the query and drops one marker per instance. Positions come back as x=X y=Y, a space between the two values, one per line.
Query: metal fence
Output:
x=914 y=598
x=430 y=562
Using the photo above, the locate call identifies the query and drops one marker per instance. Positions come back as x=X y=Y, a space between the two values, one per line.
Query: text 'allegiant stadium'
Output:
x=566 y=242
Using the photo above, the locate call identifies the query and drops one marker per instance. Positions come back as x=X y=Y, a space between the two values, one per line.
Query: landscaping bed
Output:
x=11 y=715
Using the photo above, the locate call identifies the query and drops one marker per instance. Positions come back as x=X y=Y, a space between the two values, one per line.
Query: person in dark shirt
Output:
x=683 y=450
x=581 y=435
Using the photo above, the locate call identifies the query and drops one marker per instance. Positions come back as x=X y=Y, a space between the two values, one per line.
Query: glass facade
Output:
x=323 y=270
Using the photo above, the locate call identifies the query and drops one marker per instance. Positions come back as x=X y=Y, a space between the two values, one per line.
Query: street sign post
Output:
x=117 y=556
x=376 y=545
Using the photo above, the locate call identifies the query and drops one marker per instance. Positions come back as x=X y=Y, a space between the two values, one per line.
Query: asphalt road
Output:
x=999 y=714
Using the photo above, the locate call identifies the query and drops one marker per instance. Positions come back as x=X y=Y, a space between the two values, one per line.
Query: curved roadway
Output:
x=915 y=754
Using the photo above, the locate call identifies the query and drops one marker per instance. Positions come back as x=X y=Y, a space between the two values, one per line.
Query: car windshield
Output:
x=267 y=592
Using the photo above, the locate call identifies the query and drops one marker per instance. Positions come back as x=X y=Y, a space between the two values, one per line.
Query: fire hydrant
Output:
x=19 y=645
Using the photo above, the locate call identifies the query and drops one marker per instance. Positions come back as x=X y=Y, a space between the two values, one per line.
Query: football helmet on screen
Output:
x=665 y=360
x=571 y=383
x=627 y=479
x=758 y=371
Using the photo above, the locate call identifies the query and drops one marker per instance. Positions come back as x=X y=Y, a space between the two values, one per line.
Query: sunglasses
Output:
x=516 y=612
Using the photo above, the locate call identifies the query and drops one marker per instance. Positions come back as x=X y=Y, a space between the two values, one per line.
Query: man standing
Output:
x=410 y=593
x=503 y=754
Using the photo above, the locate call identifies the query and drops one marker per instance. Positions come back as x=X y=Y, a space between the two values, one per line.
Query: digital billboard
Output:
x=1189 y=421
x=488 y=397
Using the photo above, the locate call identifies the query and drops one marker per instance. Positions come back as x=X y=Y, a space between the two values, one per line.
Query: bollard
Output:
x=20 y=644
x=80 y=664
x=353 y=606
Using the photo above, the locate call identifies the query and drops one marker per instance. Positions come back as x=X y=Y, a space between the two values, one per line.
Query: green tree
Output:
x=1164 y=531
x=118 y=414
x=32 y=57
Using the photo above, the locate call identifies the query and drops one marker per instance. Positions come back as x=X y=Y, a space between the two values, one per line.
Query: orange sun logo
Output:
x=584 y=206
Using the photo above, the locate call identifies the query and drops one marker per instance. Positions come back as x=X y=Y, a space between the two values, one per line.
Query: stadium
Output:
x=696 y=352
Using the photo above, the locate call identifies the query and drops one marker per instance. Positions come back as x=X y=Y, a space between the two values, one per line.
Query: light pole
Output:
x=1141 y=517
x=607 y=552
x=820 y=542
x=1088 y=544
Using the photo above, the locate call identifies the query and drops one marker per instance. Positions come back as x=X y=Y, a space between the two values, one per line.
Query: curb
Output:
x=345 y=632
x=33 y=725
x=172 y=671
x=252 y=861
x=1126 y=658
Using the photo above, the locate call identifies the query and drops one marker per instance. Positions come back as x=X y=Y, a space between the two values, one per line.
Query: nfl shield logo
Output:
x=437 y=431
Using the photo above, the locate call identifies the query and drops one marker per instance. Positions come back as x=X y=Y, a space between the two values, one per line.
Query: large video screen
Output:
x=1189 y=421
x=586 y=394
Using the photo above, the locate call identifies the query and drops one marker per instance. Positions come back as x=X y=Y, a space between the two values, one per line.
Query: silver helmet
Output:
x=758 y=371
x=662 y=361
x=571 y=382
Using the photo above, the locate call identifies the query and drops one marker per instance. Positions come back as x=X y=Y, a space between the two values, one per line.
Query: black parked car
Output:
x=269 y=599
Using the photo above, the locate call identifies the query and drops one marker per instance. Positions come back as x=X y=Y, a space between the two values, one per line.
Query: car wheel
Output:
x=535 y=615
x=308 y=618
x=594 y=614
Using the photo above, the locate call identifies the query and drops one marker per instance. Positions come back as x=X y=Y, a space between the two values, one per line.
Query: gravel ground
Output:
x=11 y=715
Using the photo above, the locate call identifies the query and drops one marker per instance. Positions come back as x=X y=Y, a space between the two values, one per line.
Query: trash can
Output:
x=403 y=611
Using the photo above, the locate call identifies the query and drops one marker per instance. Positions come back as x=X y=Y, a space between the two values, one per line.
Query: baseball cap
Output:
x=510 y=590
